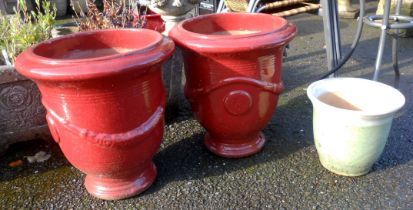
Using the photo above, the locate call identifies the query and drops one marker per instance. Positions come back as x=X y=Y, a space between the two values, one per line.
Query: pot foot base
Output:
x=116 y=189
x=251 y=146
x=350 y=172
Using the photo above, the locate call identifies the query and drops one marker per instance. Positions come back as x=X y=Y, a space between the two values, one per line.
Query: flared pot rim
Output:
x=232 y=14
x=37 y=66
x=280 y=34
x=399 y=99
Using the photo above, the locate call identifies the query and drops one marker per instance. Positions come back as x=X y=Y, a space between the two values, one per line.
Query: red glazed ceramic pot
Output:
x=105 y=103
x=153 y=20
x=233 y=73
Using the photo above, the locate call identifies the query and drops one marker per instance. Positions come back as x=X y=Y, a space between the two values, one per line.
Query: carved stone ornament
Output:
x=22 y=116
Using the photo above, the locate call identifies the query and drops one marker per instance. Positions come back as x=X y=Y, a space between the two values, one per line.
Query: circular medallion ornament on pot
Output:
x=238 y=102
x=233 y=65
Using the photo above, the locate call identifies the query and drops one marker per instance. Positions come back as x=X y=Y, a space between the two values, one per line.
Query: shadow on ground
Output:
x=188 y=159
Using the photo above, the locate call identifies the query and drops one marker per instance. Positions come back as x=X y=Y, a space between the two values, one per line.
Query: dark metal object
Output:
x=331 y=32
x=382 y=41
x=329 y=46
x=385 y=25
x=221 y=6
x=395 y=58
x=371 y=21
x=208 y=6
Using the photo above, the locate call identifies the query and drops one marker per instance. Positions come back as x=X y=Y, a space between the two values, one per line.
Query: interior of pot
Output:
x=97 y=44
x=358 y=95
x=233 y=24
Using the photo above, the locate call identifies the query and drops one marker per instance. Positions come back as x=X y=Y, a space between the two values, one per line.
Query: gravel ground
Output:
x=285 y=175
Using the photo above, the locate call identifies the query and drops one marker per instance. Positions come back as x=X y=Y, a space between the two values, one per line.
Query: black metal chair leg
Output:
x=395 y=43
x=395 y=62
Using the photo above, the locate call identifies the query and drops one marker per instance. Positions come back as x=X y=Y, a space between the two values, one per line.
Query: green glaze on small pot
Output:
x=350 y=141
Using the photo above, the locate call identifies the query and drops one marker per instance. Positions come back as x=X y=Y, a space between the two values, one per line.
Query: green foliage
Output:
x=26 y=28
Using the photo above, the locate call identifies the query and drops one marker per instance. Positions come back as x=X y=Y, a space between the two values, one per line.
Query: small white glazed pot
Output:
x=352 y=118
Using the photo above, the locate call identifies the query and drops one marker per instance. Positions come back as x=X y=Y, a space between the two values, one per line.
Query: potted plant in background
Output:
x=108 y=14
x=119 y=14
x=79 y=6
x=22 y=117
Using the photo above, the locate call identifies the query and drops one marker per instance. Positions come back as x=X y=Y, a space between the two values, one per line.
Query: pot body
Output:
x=352 y=120
x=154 y=22
x=233 y=81
x=105 y=111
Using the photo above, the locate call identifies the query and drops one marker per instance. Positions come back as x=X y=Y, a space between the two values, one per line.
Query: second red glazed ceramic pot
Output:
x=233 y=65
x=105 y=103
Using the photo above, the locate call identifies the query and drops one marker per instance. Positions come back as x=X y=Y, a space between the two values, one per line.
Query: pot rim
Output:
x=362 y=113
x=236 y=36
x=39 y=67
x=157 y=40
x=279 y=35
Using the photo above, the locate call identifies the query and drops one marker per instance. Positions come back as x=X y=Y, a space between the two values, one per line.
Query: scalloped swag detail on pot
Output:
x=233 y=67
x=105 y=103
